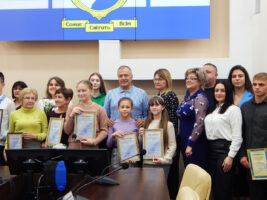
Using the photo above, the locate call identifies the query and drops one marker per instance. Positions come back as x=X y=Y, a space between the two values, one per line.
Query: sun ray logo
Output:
x=99 y=14
x=88 y=6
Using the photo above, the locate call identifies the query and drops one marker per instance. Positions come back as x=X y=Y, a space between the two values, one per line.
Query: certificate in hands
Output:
x=85 y=125
x=258 y=163
x=128 y=146
x=54 y=132
x=153 y=143
x=14 y=140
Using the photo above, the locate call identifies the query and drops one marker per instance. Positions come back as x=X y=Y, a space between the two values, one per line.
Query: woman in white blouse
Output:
x=48 y=103
x=223 y=130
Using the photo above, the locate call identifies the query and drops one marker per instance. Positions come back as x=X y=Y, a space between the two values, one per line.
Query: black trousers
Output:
x=221 y=181
x=173 y=177
x=258 y=189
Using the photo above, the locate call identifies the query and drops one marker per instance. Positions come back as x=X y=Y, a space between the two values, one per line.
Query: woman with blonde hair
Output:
x=163 y=83
x=28 y=120
x=192 y=112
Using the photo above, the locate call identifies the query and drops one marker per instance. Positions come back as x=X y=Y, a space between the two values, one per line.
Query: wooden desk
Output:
x=9 y=189
x=135 y=184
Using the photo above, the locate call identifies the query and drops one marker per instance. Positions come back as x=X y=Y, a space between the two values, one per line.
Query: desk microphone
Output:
x=122 y=166
x=142 y=152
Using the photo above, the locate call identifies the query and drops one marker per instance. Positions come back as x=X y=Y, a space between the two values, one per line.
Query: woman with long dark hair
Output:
x=16 y=89
x=239 y=79
x=47 y=104
x=242 y=92
x=223 y=130
x=98 y=91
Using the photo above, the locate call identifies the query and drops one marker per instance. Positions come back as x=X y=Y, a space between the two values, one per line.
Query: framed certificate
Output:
x=128 y=146
x=258 y=162
x=54 y=131
x=14 y=140
x=85 y=125
x=153 y=143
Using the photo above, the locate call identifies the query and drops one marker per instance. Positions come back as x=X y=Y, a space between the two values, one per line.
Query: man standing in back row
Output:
x=254 y=131
x=211 y=76
x=126 y=89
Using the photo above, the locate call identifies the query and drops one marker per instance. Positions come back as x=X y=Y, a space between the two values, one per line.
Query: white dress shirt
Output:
x=8 y=106
x=226 y=126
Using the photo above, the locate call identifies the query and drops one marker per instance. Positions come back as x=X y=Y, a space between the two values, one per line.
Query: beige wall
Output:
x=260 y=39
x=36 y=62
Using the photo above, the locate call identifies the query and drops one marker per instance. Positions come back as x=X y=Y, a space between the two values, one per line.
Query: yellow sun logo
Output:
x=99 y=14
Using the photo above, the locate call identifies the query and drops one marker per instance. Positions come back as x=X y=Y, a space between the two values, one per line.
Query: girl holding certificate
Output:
x=63 y=97
x=85 y=105
x=158 y=119
x=99 y=90
x=223 y=130
x=122 y=126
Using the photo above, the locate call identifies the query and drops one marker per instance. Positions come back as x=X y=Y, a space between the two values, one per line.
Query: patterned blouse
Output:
x=171 y=103
x=192 y=112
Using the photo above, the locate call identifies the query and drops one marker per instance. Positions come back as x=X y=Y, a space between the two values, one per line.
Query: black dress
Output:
x=171 y=103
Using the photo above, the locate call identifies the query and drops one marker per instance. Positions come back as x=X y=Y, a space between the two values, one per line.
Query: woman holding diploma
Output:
x=223 y=130
x=84 y=88
x=158 y=119
x=122 y=126
x=28 y=120
x=63 y=97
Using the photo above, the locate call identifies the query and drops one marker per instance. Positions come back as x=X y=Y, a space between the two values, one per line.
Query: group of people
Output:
x=213 y=132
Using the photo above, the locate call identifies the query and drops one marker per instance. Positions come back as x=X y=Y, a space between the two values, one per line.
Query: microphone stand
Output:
x=123 y=166
x=110 y=181
x=142 y=152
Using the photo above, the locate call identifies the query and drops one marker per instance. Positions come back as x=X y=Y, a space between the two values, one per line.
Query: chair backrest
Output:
x=198 y=180
x=186 y=193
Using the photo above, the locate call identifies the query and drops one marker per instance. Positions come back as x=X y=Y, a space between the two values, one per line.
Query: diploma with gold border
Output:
x=85 y=125
x=14 y=140
x=128 y=146
x=54 y=132
x=153 y=143
x=258 y=163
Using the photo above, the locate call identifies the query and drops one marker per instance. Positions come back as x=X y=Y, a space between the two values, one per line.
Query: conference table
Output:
x=135 y=183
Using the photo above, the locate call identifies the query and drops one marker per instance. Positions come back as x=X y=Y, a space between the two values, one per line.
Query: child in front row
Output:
x=124 y=125
x=158 y=118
